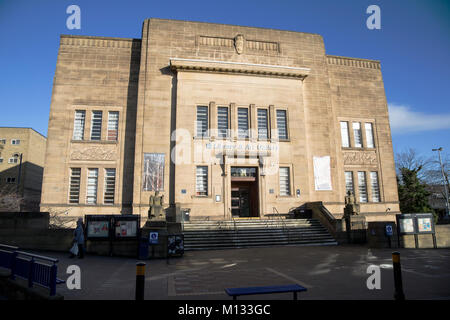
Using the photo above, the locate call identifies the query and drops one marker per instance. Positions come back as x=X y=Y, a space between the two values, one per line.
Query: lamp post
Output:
x=445 y=182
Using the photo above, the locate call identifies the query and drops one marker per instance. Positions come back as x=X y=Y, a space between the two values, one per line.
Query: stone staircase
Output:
x=231 y=234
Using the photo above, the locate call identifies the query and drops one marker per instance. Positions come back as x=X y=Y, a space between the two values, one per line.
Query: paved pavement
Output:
x=335 y=272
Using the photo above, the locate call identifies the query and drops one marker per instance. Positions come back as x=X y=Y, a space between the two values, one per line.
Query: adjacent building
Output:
x=22 y=156
x=227 y=121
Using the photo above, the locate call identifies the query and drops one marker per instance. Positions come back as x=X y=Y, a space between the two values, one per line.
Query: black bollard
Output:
x=398 y=295
x=140 y=280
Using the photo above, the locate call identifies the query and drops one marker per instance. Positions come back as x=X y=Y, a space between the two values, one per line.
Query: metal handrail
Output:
x=232 y=219
x=283 y=224
x=35 y=256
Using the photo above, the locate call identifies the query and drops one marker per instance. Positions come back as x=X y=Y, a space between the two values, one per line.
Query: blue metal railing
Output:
x=36 y=269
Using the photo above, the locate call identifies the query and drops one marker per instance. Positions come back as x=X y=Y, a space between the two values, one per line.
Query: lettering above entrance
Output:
x=360 y=158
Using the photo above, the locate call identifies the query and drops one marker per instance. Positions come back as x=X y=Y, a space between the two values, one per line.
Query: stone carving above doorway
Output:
x=360 y=158
x=94 y=153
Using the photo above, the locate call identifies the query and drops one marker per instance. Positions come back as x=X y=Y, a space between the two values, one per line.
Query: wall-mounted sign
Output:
x=153 y=238
x=389 y=230
x=322 y=173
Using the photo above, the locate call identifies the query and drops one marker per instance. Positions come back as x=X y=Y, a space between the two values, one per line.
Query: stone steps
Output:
x=209 y=235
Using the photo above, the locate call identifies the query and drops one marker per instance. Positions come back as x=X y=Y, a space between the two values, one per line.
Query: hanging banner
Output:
x=322 y=173
x=153 y=175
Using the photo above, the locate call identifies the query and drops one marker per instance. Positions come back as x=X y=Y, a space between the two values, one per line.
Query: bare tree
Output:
x=10 y=200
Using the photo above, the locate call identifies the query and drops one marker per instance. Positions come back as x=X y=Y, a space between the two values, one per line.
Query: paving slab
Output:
x=338 y=272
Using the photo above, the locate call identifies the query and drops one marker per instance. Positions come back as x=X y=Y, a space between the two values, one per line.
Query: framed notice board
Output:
x=126 y=226
x=98 y=227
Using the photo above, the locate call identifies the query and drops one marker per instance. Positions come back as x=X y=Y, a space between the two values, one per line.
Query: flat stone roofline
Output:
x=24 y=128
x=233 y=25
x=93 y=41
x=353 y=62
x=178 y=64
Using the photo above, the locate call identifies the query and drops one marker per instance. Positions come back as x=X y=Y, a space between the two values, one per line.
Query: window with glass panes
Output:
x=113 y=125
x=201 y=182
x=263 y=132
x=362 y=186
x=349 y=182
x=202 y=121
x=369 y=135
x=243 y=123
x=78 y=125
x=282 y=124
x=222 y=122
x=110 y=186
x=74 y=186
x=96 y=125
x=357 y=134
x=344 y=134
x=374 y=186
x=92 y=182
x=285 y=186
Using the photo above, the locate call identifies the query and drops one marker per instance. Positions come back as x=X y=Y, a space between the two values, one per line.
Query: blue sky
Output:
x=413 y=46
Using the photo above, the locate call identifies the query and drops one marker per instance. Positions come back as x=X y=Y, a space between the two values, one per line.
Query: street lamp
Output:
x=445 y=182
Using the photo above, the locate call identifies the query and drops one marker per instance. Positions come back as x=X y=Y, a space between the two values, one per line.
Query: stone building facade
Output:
x=22 y=156
x=224 y=120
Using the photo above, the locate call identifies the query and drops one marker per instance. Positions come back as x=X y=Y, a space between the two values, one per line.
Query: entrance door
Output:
x=244 y=192
x=240 y=202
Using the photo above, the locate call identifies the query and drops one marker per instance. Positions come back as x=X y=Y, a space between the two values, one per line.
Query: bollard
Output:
x=398 y=295
x=140 y=280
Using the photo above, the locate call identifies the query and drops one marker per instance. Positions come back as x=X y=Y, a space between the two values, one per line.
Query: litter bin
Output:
x=143 y=248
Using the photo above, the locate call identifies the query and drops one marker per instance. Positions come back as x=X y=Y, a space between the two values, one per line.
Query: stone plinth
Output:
x=164 y=229
x=356 y=227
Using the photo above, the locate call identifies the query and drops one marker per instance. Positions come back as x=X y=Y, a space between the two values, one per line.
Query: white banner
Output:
x=322 y=173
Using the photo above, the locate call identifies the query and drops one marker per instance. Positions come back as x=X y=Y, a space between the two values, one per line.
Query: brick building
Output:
x=22 y=155
x=224 y=120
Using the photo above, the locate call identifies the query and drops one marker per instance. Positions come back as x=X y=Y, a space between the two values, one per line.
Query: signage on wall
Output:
x=153 y=238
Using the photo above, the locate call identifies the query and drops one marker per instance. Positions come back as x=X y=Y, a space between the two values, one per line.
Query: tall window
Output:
x=202 y=122
x=78 y=125
x=375 y=187
x=362 y=187
x=263 y=132
x=344 y=134
x=285 y=182
x=201 y=182
x=110 y=186
x=74 y=187
x=357 y=134
x=91 y=193
x=349 y=182
x=282 y=124
x=113 y=125
x=243 y=123
x=222 y=122
x=96 y=125
x=369 y=135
